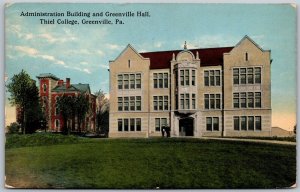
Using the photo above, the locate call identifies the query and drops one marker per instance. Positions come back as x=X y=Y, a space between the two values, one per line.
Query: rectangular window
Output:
x=120 y=81
x=250 y=123
x=248 y=75
x=125 y=124
x=166 y=103
x=132 y=81
x=138 y=124
x=257 y=99
x=206 y=101
x=187 y=101
x=182 y=77
x=138 y=103
x=155 y=80
x=126 y=81
x=166 y=80
x=250 y=100
x=157 y=124
x=206 y=78
x=193 y=77
x=193 y=101
x=138 y=80
x=126 y=104
x=155 y=103
x=212 y=101
x=120 y=125
x=208 y=123
x=243 y=100
x=243 y=123
x=132 y=103
x=236 y=122
x=160 y=80
x=216 y=123
x=181 y=101
x=132 y=124
x=257 y=123
x=187 y=77
x=120 y=104
x=235 y=76
x=257 y=75
x=211 y=77
x=217 y=75
x=163 y=122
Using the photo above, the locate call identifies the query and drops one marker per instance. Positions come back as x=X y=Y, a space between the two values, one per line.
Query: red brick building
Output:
x=51 y=88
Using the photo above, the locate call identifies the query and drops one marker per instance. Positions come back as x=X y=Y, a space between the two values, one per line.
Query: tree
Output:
x=81 y=108
x=102 y=113
x=65 y=106
x=295 y=129
x=25 y=95
x=13 y=128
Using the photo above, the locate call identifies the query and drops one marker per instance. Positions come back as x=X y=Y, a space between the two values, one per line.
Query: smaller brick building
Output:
x=51 y=88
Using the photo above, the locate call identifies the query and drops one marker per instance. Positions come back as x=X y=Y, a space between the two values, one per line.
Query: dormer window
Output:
x=44 y=88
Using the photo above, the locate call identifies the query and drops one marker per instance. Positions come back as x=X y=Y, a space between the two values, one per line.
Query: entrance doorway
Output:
x=186 y=127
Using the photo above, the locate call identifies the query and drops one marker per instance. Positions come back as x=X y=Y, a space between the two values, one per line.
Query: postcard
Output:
x=150 y=96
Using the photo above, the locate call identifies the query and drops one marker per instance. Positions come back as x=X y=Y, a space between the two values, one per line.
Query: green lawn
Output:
x=148 y=163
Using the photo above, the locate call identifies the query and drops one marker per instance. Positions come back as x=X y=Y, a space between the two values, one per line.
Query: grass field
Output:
x=146 y=163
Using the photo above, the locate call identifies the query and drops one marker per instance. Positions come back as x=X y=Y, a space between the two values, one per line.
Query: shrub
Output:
x=13 y=128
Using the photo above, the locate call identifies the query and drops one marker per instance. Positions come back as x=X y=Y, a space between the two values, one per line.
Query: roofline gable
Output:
x=253 y=42
x=131 y=47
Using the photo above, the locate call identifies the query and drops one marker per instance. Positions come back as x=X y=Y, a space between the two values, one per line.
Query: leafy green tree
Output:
x=82 y=108
x=66 y=108
x=25 y=95
x=13 y=128
x=102 y=113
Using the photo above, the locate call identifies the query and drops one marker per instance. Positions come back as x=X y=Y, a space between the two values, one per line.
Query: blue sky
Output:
x=82 y=52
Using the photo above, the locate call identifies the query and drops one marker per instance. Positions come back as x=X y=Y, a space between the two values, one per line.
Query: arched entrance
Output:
x=186 y=127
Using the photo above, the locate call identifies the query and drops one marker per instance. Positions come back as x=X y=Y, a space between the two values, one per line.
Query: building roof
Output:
x=83 y=88
x=208 y=57
x=47 y=75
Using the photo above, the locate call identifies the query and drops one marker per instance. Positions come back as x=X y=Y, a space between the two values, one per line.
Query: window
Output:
x=187 y=77
x=185 y=101
x=257 y=75
x=257 y=123
x=212 y=101
x=120 y=125
x=212 y=78
x=246 y=100
x=246 y=123
x=160 y=123
x=248 y=75
x=132 y=103
x=44 y=88
x=193 y=77
x=246 y=56
x=258 y=99
x=138 y=103
x=57 y=111
x=129 y=81
x=212 y=123
x=193 y=101
x=126 y=83
x=182 y=77
x=132 y=124
x=160 y=80
x=138 y=124
x=160 y=103
x=126 y=124
x=57 y=123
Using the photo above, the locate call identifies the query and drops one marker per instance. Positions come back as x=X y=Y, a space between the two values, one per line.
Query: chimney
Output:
x=67 y=82
x=60 y=82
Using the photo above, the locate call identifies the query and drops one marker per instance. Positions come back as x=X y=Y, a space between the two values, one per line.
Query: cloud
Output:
x=50 y=38
x=27 y=50
x=113 y=46
x=103 y=66
x=99 y=52
x=84 y=63
x=87 y=71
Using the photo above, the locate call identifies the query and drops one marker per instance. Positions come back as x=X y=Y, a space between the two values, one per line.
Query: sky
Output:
x=82 y=52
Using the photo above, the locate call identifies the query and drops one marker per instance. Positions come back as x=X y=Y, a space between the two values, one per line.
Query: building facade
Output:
x=224 y=91
x=50 y=89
